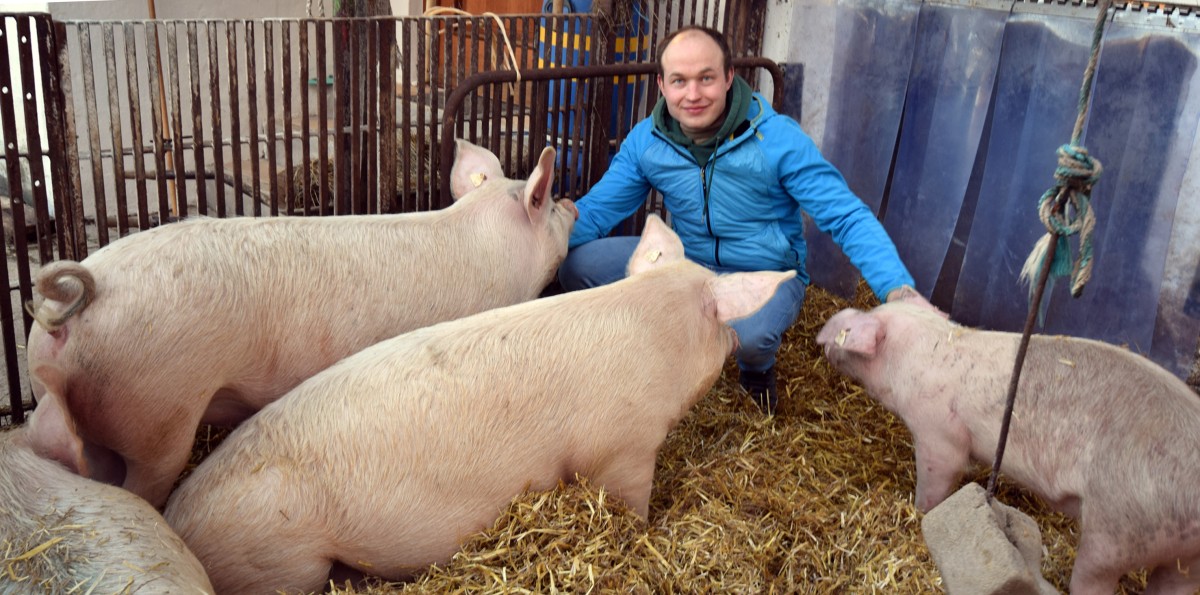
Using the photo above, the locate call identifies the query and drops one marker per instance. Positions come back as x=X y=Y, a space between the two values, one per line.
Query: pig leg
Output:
x=941 y=461
x=154 y=476
x=631 y=482
x=1177 y=578
x=1098 y=564
x=255 y=532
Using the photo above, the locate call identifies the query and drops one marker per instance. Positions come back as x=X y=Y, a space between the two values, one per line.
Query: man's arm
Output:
x=619 y=193
x=823 y=193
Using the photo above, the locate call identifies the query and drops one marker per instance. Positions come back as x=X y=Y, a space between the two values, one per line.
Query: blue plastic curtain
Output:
x=872 y=55
x=989 y=94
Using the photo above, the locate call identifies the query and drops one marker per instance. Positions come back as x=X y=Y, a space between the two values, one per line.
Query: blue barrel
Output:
x=572 y=46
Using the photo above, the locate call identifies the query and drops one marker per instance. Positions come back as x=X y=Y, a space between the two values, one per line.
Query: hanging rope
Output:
x=1065 y=210
x=512 y=56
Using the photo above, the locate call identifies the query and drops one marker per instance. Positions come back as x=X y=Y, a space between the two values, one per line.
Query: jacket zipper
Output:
x=705 y=182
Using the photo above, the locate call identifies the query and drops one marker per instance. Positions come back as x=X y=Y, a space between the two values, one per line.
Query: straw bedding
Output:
x=817 y=499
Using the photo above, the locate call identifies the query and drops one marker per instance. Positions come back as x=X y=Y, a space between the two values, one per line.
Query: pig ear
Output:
x=52 y=433
x=861 y=335
x=472 y=166
x=739 y=295
x=537 y=189
x=658 y=246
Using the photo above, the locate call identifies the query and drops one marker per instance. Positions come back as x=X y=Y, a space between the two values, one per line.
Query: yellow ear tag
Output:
x=478 y=178
x=653 y=255
x=841 y=338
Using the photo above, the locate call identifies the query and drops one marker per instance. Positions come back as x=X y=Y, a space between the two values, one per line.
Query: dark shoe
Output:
x=762 y=388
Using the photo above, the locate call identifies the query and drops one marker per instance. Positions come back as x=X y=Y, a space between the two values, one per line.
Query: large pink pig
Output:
x=211 y=319
x=389 y=459
x=62 y=533
x=1098 y=432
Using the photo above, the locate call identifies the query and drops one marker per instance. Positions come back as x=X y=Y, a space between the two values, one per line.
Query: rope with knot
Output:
x=1065 y=210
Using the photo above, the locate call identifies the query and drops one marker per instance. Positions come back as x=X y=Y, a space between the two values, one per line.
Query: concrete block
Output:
x=984 y=550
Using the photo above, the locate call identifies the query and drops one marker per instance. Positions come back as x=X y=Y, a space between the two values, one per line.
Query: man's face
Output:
x=693 y=82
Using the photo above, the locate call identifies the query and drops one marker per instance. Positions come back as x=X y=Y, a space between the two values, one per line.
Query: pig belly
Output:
x=390 y=527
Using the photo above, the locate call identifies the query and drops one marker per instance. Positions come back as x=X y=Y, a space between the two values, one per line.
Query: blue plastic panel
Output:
x=874 y=43
x=1036 y=99
x=949 y=92
x=1142 y=127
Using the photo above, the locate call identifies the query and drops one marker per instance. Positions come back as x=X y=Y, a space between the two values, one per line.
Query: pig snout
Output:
x=569 y=205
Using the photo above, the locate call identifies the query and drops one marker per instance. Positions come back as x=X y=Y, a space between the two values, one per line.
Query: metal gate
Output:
x=112 y=127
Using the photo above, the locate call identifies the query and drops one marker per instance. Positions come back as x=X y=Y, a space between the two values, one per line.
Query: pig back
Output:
x=263 y=304
x=640 y=353
x=1099 y=420
x=435 y=430
x=1088 y=418
x=89 y=533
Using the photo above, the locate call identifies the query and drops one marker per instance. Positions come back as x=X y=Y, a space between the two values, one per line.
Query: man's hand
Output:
x=905 y=293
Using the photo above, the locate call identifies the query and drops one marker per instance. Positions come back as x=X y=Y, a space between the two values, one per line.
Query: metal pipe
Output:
x=462 y=91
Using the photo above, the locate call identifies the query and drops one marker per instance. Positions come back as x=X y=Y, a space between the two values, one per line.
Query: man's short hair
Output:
x=717 y=36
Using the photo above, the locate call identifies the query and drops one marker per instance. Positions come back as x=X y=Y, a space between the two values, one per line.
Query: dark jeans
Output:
x=603 y=261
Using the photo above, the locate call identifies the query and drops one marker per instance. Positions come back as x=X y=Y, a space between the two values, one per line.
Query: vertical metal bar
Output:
x=726 y=25
x=502 y=121
x=387 y=113
x=60 y=126
x=135 y=123
x=425 y=102
x=524 y=145
x=305 y=133
x=352 y=135
x=33 y=147
x=88 y=72
x=157 y=119
x=483 y=28
x=114 y=112
x=754 y=17
x=253 y=160
x=269 y=77
x=341 y=119
x=465 y=33
x=654 y=21
x=679 y=21
x=408 y=186
x=371 y=131
x=214 y=84
x=235 y=133
x=13 y=165
x=571 y=173
x=441 y=62
x=323 y=121
x=361 y=105
x=164 y=158
x=197 y=120
x=288 y=192
x=537 y=122
x=553 y=49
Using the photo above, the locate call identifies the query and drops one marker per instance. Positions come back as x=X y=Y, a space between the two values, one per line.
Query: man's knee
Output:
x=596 y=263
x=571 y=273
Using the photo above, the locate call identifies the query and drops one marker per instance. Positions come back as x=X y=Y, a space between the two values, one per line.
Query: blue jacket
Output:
x=743 y=209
